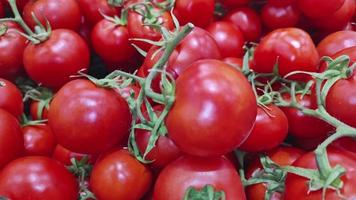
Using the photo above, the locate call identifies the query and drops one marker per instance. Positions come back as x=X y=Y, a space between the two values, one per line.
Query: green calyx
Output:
x=3 y=29
x=208 y=192
x=116 y=3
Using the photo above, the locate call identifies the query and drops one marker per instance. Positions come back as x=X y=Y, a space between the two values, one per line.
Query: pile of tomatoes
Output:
x=177 y=100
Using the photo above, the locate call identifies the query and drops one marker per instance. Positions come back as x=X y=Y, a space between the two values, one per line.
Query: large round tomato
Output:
x=280 y=16
x=11 y=138
x=37 y=177
x=319 y=8
x=336 y=42
x=207 y=92
x=39 y=140
x=59 y=13
x=10 y=98
x=270 y=130
x=91 y=10
x=198 y=12
x=297 y=187
x=118 y=175
x=52 y=62
x=291 y=48
x=86 y=118
x=187 y=171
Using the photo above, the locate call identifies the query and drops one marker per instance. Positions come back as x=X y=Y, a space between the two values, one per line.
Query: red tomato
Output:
x=56 y=59
x=88 y=119
x=283 y=156
x=304 y=126
x=37 y=177
x=91 y=10
x=34 y=106
x=12 y=45
x=229 y=39
x=59 y=13
x=207 y=92
x=307 y=144
x=39 y=140
x=280 y=16
x=281 y=2
x=336 y=42
x=235 y=62
x=234 y=3
x=350 y=52
x=297 y=187
x=2 y=11
x=346 y=144
x=188 y=171
x=270 y=130
x=198 y=12
x=10 y=98
x=11 y=139
x=319 y=8
x=247 y=20
x=64 y=156
x=291 y=48
x=118 y=175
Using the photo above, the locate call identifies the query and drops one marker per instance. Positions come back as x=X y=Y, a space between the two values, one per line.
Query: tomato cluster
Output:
x=177 y=99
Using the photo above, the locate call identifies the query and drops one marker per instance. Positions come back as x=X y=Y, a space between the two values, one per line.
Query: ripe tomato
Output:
x=37 y=177
x=280 y=2
x=235 y=62
x=304 y=126
x=350 y=52
x=34 y=106
x=247 y=20
x=229 y=39
x=64 y=156
x=86 y=118
x=39 y=140
x=56 y=59
x=2 y=11
x=188 y=171
x=336 y=42
x=118 y=175
x=11 y=138
x=307 y=144
x=346 y=144
x=291 y=48
x=319 y=8
x=91 y=10
x=234 y=3
x=59 y=13
x=206 y=92
x=280 y=16
x=10 y=98
x=282 y=156
x=12 y=45
x=270 y=130
x=198 y=12
x=297 y=187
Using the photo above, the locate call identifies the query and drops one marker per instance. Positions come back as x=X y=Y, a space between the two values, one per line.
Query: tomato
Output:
x=350 y=52
x=2 y=11
x=280 y=2
x=64 y=156
x=188 y=171
x=297 y=187
x=34 y=106
x=346 y=144
x=235 y=62
x=86 y=118
x=247 y=20
x=37 y=177
x=11 y=139
x=206 y=92
x=10 y=98
x=291 y=48
x=91 y=10
x=118 y=175
x=12 y=45
x=230 y=39
x=319 y=8
x=198 y=12
x=282 y=156
x=234 y=3
x=307 y=144
x=39 y=140
x=304 y=126
x=280 y=16
x=59 y=13
x=52 y=62
x=337 y=20
x=336 y=42
x=270 y=130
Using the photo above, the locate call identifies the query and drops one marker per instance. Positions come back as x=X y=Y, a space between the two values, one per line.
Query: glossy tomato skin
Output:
x=229 y=38
x=247 y=20
x=206 y=92
x=88 y=119
x=34 y=106
x=12 y=46
x=111 y=42
x=39 y=140
x=269 y=131
x=11 y=139
x=283 y=156
x=297 y=187
x=336 y=42
x=91 y=8
x=59 y=13
x=64 y=156
x=324 y=8
x=187 y=171
x=55 y=60
x=118 y=175
x=292 y=48
x=280 y=16
x=235 y=62
x=37 y=177
x=198 y=12
x=11 y=98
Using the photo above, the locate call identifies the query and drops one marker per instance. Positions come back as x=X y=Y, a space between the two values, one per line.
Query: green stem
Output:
x=18 y=18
